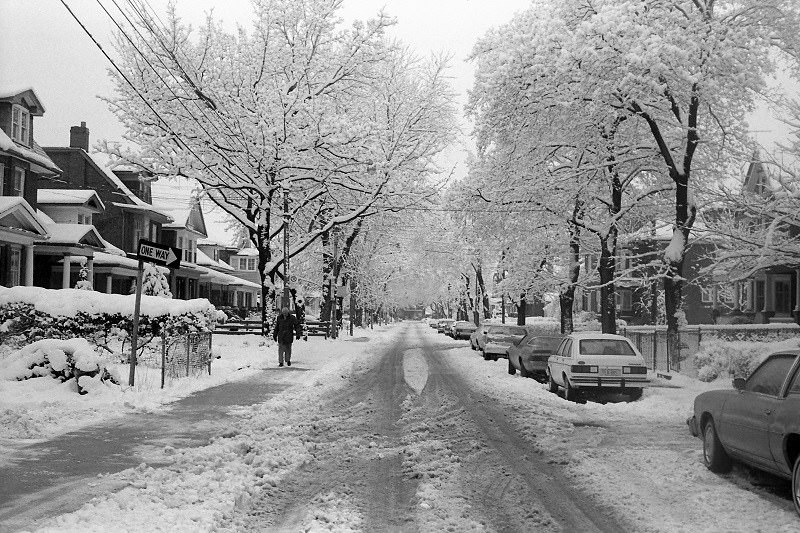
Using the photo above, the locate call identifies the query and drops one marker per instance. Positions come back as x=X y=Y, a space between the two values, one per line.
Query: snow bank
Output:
x=70 y=302
x=720 y=358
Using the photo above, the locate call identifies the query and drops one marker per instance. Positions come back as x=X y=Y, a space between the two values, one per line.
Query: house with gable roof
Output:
x=22 y=164
x=187 y=227
x=128 y=215
x=67 y=215
x=769 y=295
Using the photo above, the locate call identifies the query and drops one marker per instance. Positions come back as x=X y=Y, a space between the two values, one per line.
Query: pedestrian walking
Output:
x=287 y=329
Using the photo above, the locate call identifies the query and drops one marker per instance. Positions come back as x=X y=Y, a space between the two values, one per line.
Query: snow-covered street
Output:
x=404 y=429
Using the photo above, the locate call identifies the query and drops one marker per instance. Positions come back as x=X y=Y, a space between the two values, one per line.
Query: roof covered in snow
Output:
x=204 y=260
x=74 y=197
x=34 y=155
x=74 y=235
x=25 y=96
x=17 y=214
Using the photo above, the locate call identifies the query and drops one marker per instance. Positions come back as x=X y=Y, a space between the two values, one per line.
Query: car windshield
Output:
x=605 y=347
x=545 y=344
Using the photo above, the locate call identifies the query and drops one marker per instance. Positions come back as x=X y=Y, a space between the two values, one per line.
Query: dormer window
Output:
x=20 y=125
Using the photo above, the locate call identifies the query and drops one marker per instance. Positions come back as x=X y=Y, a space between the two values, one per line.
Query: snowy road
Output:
x=409 y=446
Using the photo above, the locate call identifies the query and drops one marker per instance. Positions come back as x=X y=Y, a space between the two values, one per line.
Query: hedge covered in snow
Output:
x=29 y=314
x=59 y=359
x=721 y=358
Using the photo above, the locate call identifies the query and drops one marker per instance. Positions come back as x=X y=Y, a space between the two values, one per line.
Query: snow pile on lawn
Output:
x=70 y=361
x=209 y=487
x=720 y=358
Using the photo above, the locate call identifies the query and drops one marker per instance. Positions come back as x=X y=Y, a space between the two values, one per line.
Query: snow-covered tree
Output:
x=295 y=107
x=154 y=282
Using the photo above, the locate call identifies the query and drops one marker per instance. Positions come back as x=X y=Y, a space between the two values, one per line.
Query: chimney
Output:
x=79 y=137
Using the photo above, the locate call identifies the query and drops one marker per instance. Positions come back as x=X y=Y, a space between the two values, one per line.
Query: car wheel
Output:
x=485 y=355
x=494 y=357
x=570 y=393
x=522 y=372
x=714 y=455
x=796 y=485
x=511 y=369
x=552 y=386
x=635 y=394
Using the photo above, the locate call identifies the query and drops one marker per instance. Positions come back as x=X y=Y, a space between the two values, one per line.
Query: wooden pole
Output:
x=135 y=333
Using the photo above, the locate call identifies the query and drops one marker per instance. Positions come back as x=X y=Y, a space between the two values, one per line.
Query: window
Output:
x=623 y=299
x=760 y=295
x=794 y=386
x=606 y=347
x=20 y=125
x=768 y=378
x=14 y=262
x=706 y=295
x=18 y=184
x=567 y=348
x=138 y=230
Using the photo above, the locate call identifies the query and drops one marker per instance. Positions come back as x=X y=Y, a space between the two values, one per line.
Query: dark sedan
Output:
x=463 y=329
x=757 y=423
x=530 y=354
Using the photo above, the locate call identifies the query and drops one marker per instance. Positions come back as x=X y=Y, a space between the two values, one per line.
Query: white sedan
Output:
x=596 y=361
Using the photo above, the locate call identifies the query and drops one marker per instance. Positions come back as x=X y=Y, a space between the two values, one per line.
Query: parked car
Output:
x=591 y=361
x=757 y=422
x=434 y=323
x=443 y=324
x=477 y=338
x=463 y=329
x=531 y=353
x=499 y=338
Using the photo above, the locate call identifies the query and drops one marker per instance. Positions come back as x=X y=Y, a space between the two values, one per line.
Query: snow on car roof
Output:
x=596 y=335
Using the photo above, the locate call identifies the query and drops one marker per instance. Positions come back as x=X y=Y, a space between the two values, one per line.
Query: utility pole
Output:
x=286 y=297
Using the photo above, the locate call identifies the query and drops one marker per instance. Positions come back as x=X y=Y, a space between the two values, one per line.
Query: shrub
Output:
x=717 y=357
x=62 y=360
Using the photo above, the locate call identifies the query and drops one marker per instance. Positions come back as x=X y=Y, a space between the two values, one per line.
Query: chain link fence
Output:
x=180 y=356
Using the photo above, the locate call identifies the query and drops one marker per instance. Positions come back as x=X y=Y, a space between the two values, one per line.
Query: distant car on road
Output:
x=592 y=361
x=757 y=422
x=463 y=329
x=531 y=353
x=499 y=338
x=443 y=324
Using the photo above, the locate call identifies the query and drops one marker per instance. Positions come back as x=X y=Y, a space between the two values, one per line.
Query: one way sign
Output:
x=160 y=254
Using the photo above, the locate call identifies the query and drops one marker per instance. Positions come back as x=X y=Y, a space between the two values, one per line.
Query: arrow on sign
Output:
x=160 y=254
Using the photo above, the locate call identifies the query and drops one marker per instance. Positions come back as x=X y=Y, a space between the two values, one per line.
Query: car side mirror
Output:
x=738 y=383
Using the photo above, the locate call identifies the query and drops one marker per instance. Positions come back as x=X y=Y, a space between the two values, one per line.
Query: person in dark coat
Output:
x=287 y=328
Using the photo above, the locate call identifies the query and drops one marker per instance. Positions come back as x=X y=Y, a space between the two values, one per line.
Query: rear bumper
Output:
x=533 y=366
x=607 y=382
x=496 y=349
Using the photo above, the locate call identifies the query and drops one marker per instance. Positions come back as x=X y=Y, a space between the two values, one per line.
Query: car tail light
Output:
x=634 y=370
x=584 y=369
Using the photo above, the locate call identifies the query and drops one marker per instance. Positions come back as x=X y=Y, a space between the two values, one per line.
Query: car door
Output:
x=785 y=420
x=560 y=360
x=747 y=417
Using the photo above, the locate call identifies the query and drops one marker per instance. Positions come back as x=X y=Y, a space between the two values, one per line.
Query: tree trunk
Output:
x=327 y=272
x=566 y=299
x=267 y=278
x=567 y=294
x=521 y=310
x=486 y=311
x=608 y=304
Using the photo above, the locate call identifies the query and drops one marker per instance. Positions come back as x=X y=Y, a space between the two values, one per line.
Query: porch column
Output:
x=715 y=297
x=66 y=272
x=751 y=284
x=90 y=267
x=796 y=293
x=109 y=283
x=737 y=295
x=769 y=294
x=29 y=266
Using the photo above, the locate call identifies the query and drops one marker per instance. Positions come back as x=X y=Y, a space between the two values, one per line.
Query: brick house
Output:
x=128 y=215
x=22 y=164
